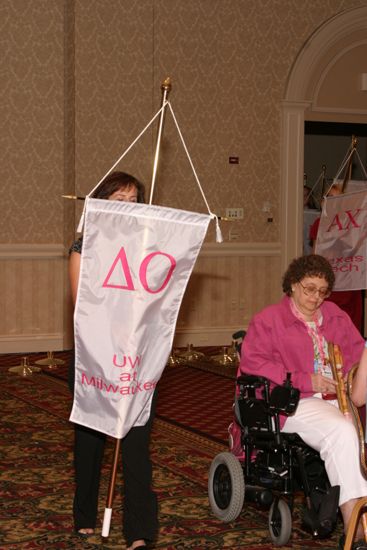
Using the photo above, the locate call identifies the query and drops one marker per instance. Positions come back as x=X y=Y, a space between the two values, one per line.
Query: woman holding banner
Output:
x=140 y=515
x=292 y=336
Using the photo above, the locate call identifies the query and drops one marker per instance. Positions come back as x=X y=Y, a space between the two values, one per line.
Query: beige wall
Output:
x=83 y=78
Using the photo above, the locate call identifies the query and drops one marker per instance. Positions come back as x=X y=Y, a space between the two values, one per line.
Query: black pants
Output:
x=140 y=511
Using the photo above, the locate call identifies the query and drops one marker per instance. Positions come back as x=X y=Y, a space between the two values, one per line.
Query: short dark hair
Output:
x=115 y=181
x=312 y=265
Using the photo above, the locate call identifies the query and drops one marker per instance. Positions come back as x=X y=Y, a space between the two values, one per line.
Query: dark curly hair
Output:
x=115 y=181
x=312 y=265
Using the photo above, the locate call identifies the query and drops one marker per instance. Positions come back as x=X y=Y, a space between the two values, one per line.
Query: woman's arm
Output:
x=272 y=350
x=359 y=390
x=269 y=350
x=74 y=270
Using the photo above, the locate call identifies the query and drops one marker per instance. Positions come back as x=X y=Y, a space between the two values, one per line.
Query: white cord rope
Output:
x=311 y=193
x=81 y=222
x=341 y=168
x=219 y=237
x=345 y=161
x=361 y=163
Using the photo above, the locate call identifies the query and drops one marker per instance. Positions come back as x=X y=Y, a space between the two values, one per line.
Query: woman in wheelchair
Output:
x=292 y=337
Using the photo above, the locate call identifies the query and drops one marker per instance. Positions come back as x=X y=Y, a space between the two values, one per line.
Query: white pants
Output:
x=324 y=428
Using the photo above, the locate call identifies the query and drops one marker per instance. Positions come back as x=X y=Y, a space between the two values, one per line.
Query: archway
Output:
x=316 y=62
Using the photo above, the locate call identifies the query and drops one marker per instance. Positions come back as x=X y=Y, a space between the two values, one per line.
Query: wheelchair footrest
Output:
x=321 y=514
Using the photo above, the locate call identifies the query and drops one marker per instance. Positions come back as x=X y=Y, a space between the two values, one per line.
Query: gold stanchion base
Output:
x=50 y=361
x=227 y=358
x=24 y=369
x=173 y=360
x=190 y=355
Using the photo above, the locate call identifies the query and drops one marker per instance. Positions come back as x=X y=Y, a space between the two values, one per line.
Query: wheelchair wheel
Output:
x=226 y=487
x=280 y=522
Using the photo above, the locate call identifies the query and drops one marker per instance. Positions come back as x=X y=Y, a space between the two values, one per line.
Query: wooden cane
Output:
x=336 y=363
x=111 y=490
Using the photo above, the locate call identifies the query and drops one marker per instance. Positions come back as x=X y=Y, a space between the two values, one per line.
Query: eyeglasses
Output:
x=311 y=290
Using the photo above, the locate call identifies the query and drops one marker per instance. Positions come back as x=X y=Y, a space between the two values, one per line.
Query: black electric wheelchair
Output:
x=270 y=467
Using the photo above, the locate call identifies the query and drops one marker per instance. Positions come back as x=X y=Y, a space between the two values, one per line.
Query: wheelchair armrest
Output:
x=284 y=399
x=252 y=381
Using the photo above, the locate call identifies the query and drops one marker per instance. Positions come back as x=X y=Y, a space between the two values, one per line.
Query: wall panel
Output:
x=32 y=298
x=228 y=285
x=225 y=289
x=82 y=78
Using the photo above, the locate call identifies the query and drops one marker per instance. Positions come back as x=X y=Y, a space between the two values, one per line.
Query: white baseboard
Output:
x=203 y=336
x=29 y=343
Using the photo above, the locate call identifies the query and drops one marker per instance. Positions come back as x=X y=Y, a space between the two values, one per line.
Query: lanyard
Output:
x=313 y=329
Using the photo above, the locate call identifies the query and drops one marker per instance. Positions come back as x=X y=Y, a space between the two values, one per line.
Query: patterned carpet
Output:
x=36 y=479
x=181 y=391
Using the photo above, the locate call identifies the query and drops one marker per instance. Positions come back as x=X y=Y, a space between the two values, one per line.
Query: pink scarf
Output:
x=312 y=329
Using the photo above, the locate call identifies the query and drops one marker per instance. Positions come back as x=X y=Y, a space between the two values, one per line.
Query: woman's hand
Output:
x=323 y=384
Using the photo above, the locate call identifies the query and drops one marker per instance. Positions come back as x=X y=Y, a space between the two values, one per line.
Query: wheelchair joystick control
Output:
x=284 y=399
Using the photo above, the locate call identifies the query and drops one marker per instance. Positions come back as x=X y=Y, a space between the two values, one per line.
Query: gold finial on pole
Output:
x=166 y=88
x=166 y=84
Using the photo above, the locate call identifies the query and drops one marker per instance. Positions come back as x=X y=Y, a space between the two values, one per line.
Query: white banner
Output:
x=342 y=237
x=135 y=265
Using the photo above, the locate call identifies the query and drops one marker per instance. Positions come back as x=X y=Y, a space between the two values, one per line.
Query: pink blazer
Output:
x=277 y=342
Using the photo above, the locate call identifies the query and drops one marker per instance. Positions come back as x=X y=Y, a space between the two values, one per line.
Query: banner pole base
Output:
x=106 y=522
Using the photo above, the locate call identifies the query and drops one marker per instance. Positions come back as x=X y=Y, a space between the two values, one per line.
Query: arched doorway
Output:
x=319 y=89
